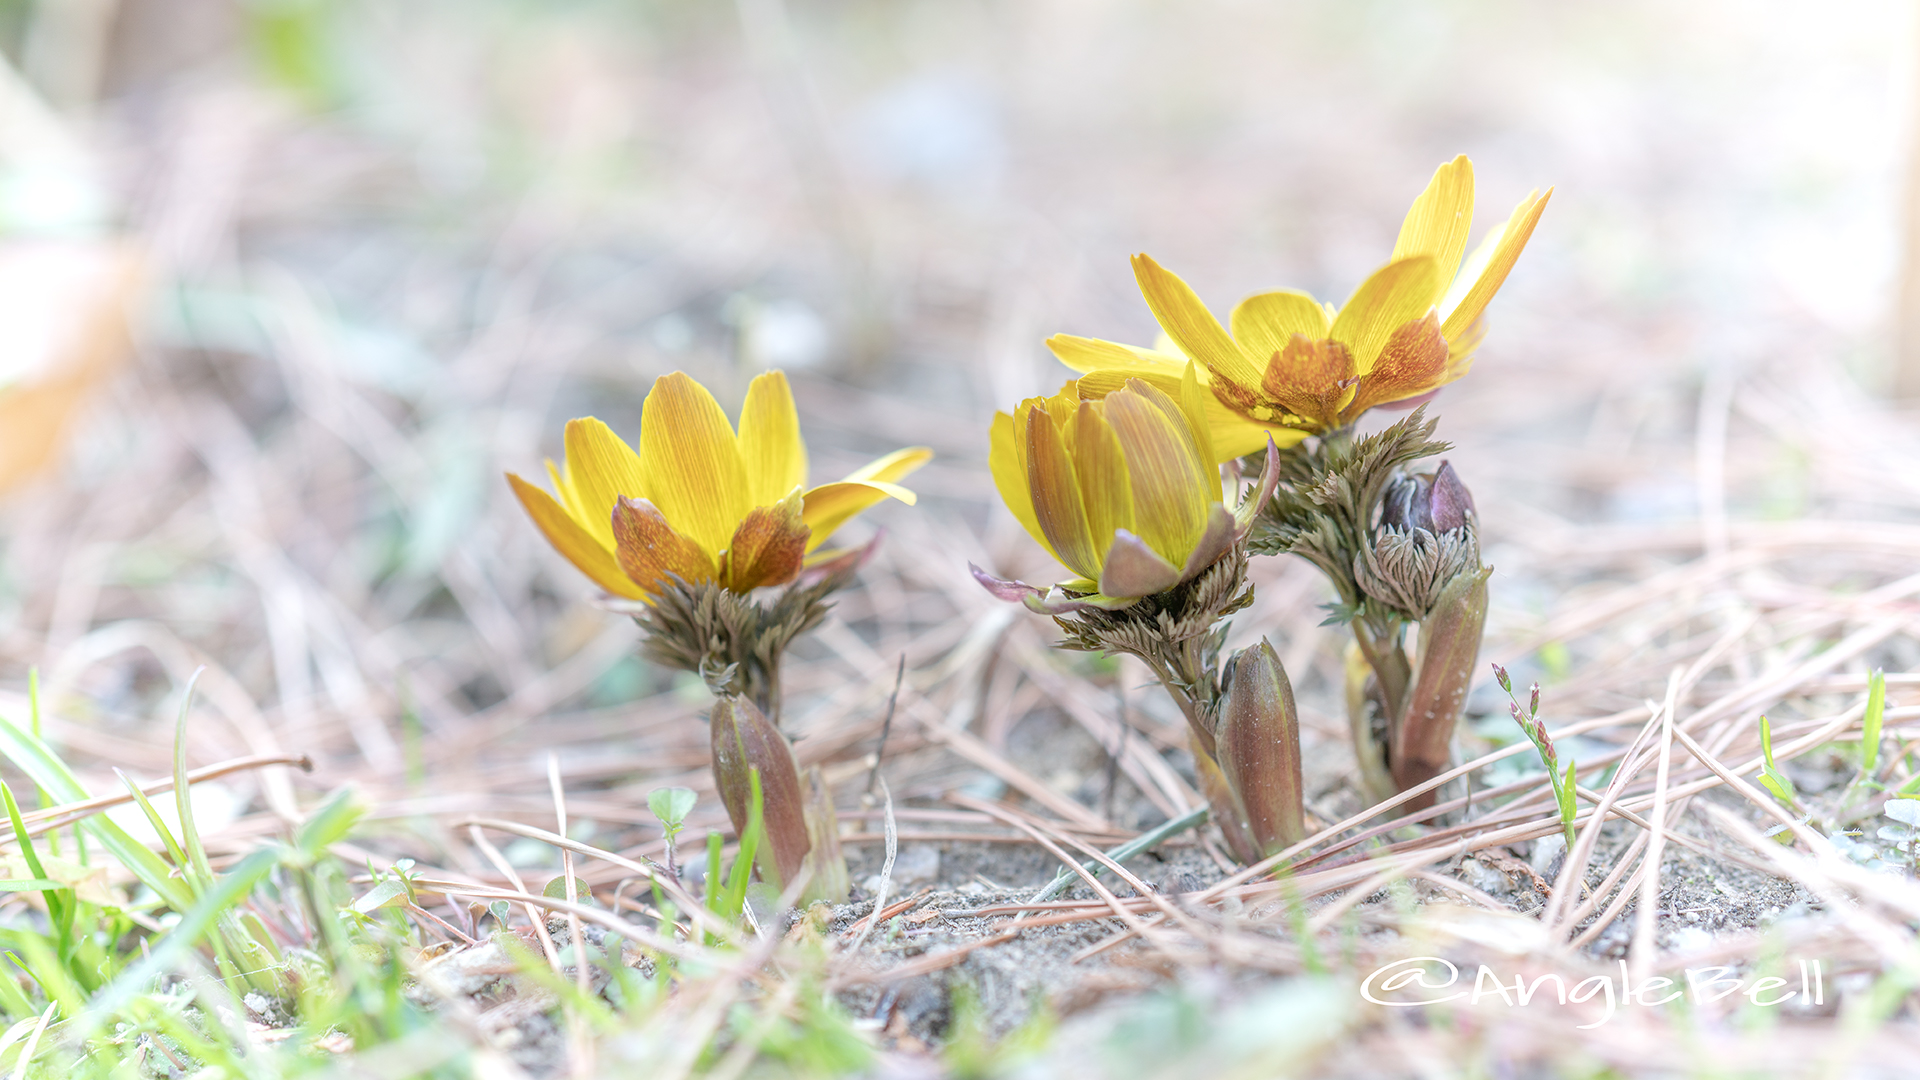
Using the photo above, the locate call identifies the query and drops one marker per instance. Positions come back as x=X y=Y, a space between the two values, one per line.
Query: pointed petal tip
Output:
x=1267 y=483
x=1002 y=588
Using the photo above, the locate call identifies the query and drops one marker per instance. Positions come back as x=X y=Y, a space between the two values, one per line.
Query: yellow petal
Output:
x=1193 y=405
x=1487 y=268
x=1397 y=293
x=767 y=548
x=1056 y=495
x=569 y=498
x=569 y=539
x=1091 y=354
x=649 y=548
x=1265 y=322
x=1413 y=362
x=1100 y=465
x=1061 y=407
x=830 y=506
x=600 y=470
x=1192 y=327
x=1098 y=384
x=893 y=466
x=692 y=461
x=771 y=449
x=1169 y=482
x=1177 y=419
x=1238 y=436
x=1440 y=220
x=1233 y=434
x=1008 y=463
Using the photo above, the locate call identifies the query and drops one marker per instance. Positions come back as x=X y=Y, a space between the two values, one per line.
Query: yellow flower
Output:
x=1123 y=490
x=698 y=500
x=1293 y=366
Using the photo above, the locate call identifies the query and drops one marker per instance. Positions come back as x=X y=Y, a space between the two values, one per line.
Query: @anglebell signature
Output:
x=1421 y=980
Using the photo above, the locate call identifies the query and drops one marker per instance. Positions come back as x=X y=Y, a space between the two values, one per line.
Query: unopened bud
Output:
x=1500 y=676
x=1408 y=569
x=1257 y=737
x=1436 y=502
x=1533 y=702
x=745 y=741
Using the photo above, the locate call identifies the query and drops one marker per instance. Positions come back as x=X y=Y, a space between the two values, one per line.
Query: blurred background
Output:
x=286 y=285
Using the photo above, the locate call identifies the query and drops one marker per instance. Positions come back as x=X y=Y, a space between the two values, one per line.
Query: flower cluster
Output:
x=708 y=535
x=1291 y=374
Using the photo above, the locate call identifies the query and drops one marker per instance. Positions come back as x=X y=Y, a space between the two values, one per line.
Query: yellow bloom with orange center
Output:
x=1290 y=365
x=698 y=500
x=1124 y=490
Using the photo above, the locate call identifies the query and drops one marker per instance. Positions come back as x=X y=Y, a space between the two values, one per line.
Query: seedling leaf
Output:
x=671 y=806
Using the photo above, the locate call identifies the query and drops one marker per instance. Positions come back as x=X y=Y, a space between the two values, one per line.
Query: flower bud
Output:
x=1257 y=737
x=1449 y=649
x=745 y=741
x=1437 y=502
x=1425 y=540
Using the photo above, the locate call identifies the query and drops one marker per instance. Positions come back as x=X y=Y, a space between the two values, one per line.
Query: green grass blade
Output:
x=713 y=889
x=328 y=824
x=742 y=872
x=33 y=719
x=1569 y=797
x=1870 y=723
x=13 y=1000
x=27 y=851
x=1189 y=820
x=60 y=902
x=45 y=968
x=39 y=762
x=194 y=924
x=153 y=818
x=183 y=794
